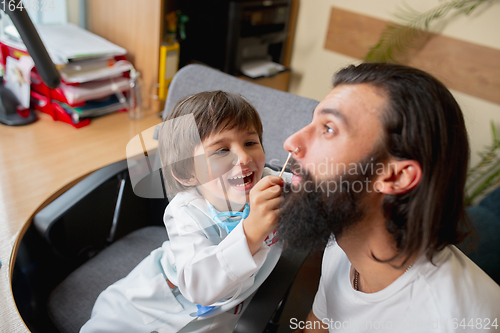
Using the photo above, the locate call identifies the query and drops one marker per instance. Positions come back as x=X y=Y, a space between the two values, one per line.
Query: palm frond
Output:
x=396 y=39
x=486 y=174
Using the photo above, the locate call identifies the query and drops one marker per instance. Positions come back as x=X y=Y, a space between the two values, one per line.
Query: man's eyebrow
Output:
x=336 y=113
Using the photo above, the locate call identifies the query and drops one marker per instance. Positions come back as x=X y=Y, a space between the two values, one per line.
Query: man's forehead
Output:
x=333 y=112
x=347 y=101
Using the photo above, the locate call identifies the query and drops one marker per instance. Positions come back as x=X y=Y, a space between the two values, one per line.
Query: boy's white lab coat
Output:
x=205 y=264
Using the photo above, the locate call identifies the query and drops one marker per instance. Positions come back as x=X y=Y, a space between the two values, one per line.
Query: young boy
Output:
x=219 y=250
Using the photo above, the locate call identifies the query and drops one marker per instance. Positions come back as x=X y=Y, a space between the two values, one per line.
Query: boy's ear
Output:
x=399 y=177
x=189 y=182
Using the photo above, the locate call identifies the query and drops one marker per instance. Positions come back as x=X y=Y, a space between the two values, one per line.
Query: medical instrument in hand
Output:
x=287 y=160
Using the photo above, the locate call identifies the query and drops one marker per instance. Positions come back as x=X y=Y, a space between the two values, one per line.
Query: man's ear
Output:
x=186 y=182
x=399 y=177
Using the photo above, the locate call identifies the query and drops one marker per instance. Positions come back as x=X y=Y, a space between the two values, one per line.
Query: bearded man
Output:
x=379 y=176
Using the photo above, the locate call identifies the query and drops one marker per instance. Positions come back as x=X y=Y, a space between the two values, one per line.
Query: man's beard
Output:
x=313 y=213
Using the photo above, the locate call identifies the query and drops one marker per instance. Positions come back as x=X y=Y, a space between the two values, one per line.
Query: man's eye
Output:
x=328 y=129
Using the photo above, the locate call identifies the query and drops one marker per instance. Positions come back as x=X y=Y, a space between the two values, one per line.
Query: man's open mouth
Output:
x=296 y=179
x=243 y=180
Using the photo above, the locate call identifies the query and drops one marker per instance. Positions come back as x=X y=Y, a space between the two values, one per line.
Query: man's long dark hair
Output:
x=423 y=122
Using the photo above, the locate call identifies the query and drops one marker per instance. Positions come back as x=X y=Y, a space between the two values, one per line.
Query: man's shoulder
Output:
x=451 y=265
x=459 y=286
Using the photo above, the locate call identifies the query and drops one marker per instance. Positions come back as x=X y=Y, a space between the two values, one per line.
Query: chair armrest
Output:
x=81 y=218
x=46 y=218
x=95 y=212
x=271 y=293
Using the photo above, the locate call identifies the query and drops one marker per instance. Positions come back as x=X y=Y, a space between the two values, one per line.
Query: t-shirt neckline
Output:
x=400 y=283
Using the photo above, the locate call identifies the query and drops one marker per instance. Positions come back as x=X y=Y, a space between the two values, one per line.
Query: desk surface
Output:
x=40 y=161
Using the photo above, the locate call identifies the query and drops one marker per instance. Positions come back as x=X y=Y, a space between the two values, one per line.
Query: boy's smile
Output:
x=244 y=182
x=227 y=166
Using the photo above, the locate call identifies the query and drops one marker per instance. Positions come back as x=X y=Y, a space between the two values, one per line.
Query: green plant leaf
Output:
x=396 y=40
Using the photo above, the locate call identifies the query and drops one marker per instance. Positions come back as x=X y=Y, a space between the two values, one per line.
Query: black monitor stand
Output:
x=43 y=64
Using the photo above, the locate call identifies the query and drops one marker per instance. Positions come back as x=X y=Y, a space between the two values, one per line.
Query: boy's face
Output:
x=227 y=166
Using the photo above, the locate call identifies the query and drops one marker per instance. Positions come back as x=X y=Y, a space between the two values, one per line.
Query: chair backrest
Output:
x=282 y=113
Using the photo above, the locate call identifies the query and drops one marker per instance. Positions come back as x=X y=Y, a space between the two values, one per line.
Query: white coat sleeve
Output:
x=206 y=272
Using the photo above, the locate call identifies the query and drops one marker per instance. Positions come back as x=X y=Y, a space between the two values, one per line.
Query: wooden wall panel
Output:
x=294 y=12
x=135 y=25
x=463 y=66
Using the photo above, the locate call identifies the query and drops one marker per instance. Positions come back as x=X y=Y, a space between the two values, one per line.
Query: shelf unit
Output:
x=138 y=26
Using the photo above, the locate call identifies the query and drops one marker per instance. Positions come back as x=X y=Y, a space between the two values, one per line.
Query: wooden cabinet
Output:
x=281 y=81
x=137 y=26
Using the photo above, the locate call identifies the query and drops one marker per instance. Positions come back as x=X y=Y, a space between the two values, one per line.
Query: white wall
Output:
x=73 y=11
x=313 y=66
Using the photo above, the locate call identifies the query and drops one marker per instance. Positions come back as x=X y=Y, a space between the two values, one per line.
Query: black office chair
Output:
x=62 y=272
x=99 y=230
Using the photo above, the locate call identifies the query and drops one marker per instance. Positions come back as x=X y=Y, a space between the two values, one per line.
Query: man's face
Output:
x=335 y=166
x=345 y=128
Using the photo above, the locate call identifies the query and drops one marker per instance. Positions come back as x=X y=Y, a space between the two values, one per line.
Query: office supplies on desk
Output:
x=98 y=73
x=169 y=64
x=9 y=110
x=17 y=80
x=52 y=102
x=33 y=44
x=71 y=42
x=136 y=101
x=95 y=69
x=52 y=108
x=94 y=90
x=95 y=108
x=170 y=51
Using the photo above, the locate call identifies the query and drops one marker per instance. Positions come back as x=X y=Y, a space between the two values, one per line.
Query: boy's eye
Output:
x=250 y=143
x=221 y=151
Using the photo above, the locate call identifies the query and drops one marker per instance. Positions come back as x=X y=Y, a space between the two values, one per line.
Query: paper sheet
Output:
x=259 y=68
x=72 y=42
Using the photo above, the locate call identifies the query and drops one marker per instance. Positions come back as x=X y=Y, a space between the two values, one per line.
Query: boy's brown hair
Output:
x=213 y=112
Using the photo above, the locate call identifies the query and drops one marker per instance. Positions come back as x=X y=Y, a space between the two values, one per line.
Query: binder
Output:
x=169 y=64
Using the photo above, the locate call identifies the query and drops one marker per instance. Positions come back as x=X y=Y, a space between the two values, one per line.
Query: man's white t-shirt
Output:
x=451 y=295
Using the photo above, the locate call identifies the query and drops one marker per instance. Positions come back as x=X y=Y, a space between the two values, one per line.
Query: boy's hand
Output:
x=265 y=199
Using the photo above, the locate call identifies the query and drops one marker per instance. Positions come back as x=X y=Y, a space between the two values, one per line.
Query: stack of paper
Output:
x=94 y=90
x=261 y=68
x=69 y=42
x=94 y=71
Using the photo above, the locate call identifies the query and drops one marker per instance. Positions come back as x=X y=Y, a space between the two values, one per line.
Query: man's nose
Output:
x=296 y=143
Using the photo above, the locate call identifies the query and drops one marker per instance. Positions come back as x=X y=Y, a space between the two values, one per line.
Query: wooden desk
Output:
x=40 y=161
